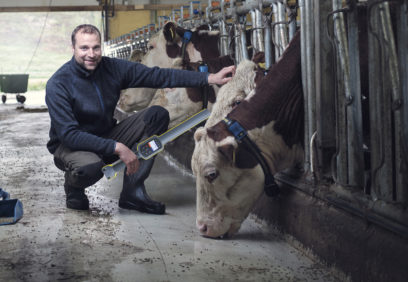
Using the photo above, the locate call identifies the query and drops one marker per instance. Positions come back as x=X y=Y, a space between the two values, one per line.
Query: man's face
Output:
x=87 y=50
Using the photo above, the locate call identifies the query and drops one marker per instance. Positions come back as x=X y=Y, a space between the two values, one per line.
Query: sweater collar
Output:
x=77 y=68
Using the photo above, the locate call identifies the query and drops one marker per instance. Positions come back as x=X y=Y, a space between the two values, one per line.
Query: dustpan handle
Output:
x=4 y=194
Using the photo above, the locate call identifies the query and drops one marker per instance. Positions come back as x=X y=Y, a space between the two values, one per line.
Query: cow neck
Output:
x=240 y=134
x=278 y=97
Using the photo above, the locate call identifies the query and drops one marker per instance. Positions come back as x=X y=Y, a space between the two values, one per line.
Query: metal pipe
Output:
x=303 y=47
x=292 y=21
x=237 y=42
x=257 y=32
x=268 y=43
x=402 y=153
x=281 y=11
x=278 y=49
x=244 y=50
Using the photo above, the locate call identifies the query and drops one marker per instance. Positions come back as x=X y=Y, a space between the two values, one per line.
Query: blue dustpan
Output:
x=10 y=210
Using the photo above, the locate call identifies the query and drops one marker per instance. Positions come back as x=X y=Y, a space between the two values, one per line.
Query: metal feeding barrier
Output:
x=356 y=121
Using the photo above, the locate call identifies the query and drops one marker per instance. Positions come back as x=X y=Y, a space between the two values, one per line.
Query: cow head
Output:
x=164 y=51
x=225 y=194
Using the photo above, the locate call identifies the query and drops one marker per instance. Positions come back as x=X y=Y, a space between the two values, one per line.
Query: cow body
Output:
x=229 y=178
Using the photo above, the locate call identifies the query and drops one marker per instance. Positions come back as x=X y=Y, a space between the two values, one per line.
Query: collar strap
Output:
x=241 y=135
x=186 y=39
x=204 y=68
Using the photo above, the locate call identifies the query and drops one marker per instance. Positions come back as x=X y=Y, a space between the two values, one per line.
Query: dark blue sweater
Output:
x=81 y=103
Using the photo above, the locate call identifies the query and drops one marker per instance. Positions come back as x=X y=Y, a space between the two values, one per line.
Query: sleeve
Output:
x=139 y=75
x=66 y=126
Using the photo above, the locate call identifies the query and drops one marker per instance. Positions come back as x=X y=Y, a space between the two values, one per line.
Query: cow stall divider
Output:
x=354 y=58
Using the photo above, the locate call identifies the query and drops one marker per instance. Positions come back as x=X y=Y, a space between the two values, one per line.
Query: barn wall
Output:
x=362 y=250
x=126 y=21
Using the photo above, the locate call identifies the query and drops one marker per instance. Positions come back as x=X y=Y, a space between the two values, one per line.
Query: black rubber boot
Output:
x=76 y=198
x=134 y=195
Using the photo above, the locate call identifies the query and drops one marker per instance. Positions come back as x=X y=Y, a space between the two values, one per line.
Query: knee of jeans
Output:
x=87 y=175
x=156 y=119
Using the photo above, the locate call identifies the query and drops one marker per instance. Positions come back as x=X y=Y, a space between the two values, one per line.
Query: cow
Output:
x=165 y=51
x=229 y=179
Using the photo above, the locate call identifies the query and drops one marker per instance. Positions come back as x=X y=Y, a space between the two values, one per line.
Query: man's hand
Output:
x=128 y=157
x=221 y=77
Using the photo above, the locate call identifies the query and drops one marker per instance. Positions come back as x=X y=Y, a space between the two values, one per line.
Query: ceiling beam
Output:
x=89 y=8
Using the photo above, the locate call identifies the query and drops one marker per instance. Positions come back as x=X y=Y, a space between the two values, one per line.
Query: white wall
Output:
x=35 y=3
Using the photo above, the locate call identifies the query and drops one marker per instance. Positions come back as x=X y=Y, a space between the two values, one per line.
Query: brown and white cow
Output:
x=164 y=50
x=228 y=178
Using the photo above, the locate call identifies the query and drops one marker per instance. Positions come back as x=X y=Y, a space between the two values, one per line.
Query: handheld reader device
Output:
x=155 y=144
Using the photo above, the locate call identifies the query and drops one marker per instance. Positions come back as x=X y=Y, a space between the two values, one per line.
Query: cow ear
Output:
x=200 y=132
x=228 y=151
x=244 y=158
x=169 y=32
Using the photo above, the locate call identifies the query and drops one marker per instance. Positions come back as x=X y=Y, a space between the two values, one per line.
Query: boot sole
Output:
x=79 y=207
x=141 y=208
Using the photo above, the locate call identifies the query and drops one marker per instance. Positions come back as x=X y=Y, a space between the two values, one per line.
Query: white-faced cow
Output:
x=165 y=50
x=229 y=178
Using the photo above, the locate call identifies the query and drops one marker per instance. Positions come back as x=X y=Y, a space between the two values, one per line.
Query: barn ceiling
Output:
x=86 y=5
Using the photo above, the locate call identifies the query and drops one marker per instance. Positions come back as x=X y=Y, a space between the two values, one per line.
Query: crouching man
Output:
x=81 y=98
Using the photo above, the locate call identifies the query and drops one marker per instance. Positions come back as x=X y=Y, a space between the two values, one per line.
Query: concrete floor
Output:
x=52 y=243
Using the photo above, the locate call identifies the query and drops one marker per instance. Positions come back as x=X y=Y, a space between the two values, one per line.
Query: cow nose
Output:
x=202 y=227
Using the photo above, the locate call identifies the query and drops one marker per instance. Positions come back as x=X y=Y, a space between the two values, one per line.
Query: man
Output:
x=81 y=98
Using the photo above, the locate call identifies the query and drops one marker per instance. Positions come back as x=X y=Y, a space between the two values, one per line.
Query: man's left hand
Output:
x=222 y=76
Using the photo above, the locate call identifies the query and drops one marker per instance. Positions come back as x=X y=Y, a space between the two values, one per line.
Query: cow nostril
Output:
x=203 y=228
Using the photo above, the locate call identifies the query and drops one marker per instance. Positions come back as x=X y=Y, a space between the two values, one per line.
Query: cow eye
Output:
x=150 y=47
x=211 y=176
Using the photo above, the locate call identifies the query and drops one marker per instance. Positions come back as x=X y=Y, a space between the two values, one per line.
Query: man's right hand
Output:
x=128 y=157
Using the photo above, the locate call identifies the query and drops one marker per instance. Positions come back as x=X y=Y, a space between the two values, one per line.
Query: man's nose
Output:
x=91 y=53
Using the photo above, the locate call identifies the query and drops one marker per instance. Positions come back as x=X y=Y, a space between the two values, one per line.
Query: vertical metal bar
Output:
x=310 y=72
x=276 y=32
x=394 y=83
x=268 y=43
x=282 y=27
x=343 y=92
x=380 y=110
x=303 y=35
x=244 y=50
x=292 y=21
x=354 y=110
x=237 y=41
x=257 y=33
x=224 y=39
x=402 y=153
x=325 y=99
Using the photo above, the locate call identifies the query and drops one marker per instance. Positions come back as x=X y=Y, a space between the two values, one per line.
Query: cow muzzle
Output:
x=218 y=229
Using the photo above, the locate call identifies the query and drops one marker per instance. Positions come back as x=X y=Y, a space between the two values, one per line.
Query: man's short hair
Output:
x=84 y=28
